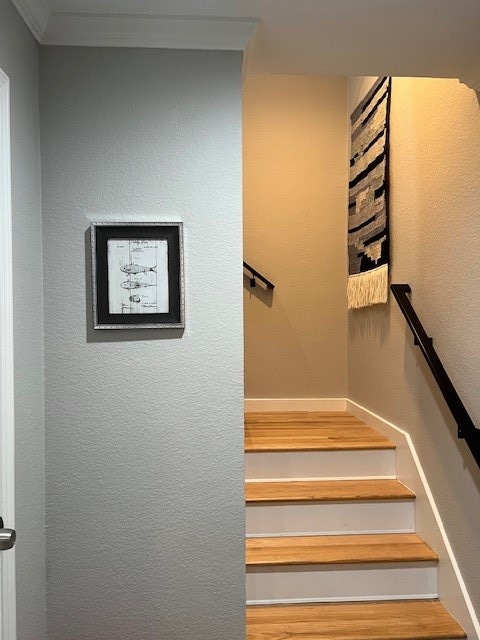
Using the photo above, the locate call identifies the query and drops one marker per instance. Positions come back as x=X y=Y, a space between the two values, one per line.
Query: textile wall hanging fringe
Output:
x=368 y=241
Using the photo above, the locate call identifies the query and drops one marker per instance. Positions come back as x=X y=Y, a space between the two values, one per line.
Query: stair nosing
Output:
x=364 y=545
x=337 y=610
x=404 y=494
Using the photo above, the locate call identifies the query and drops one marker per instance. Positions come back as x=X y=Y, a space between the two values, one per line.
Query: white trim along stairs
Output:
x=340 y=514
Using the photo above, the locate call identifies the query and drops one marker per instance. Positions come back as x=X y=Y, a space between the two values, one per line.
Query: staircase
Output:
x=331 y=551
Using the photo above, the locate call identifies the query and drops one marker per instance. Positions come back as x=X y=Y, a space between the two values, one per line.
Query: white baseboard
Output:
x=451 y=587
x=295 y=404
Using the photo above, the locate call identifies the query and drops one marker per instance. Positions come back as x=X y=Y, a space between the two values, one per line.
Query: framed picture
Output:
x=137 y=273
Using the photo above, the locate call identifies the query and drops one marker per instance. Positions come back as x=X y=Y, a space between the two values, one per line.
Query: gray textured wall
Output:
x=19 y=60
x=144 y=443
x=435 y=230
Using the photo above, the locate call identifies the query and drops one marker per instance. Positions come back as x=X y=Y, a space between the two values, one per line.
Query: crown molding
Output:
x=36 y=14
x=172 y=32
x=472 y=77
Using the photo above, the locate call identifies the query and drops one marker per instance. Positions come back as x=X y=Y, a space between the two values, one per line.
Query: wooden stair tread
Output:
x=326 y=490
x=310 y=431
x=338 y=549
x=386 y=620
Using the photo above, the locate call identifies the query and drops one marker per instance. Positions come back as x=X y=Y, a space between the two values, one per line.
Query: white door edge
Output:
x=7 y=498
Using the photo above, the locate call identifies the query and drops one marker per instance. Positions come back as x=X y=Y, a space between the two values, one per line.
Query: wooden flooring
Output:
x=338 y=549
x=407 y=619
x=310 y=431
x=387 y=620
x=326 y=491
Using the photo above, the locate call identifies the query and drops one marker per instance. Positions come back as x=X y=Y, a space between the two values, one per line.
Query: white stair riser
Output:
x=330 y=517
x=320 y=464
x=337 y=582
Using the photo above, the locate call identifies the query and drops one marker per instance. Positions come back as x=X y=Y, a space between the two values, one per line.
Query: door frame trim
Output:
x=7 y=409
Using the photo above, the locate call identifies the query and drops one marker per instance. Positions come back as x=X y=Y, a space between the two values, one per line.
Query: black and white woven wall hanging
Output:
x=368 y=241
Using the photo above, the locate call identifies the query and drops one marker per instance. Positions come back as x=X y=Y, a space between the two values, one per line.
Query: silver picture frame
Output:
x=137 y=275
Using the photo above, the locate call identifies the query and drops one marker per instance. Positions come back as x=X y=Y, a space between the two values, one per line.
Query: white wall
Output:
x=19 y=60
x=435 y=232
x=295 y=202
x=144 y=443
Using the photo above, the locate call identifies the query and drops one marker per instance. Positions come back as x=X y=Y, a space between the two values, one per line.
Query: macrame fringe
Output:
x=365 y=289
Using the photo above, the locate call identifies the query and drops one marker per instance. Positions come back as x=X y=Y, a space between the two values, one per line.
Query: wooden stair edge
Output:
x=327 y=445
x=338 y=549
x=374 y=620
x=380 y=489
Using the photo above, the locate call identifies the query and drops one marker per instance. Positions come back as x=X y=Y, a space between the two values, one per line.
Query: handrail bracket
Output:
x=256 y=274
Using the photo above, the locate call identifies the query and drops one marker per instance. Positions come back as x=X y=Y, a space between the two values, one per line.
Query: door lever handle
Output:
x=7 y=537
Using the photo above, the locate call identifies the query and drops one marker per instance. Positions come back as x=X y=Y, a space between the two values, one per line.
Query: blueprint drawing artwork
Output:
x=137 y=276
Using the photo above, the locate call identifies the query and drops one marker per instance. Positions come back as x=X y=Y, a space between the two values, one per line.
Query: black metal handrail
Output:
x=466 y=427
x=255 y=274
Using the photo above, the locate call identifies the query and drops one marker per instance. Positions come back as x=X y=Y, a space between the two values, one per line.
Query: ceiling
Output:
x=437 y=38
